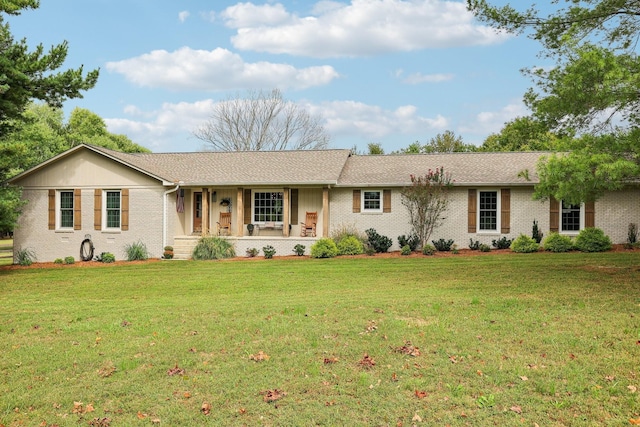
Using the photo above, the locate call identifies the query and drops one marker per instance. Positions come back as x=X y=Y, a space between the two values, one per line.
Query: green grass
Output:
x=6 y=251
x=552 y=339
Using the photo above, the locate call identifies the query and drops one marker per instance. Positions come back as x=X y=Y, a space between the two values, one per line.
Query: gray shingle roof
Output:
x=465 y=168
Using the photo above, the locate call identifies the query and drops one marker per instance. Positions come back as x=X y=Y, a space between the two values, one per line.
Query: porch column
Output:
x=325 y=212
x=240 y=212
x=205 y=211
x=285 y=216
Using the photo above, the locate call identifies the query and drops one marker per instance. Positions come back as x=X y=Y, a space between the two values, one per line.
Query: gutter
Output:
x=164 y=213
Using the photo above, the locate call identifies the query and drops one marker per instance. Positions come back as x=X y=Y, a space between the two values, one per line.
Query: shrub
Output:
x=379 y=243
x=483 y=247
x=213 y=248
x=69 y=260
x=343 y=231
x=168 y=248
x=350 y=246
x=369 y=250
x=106 y=257
x=524 y=244
x=268 y=251
x=474 y=245
x=632 y=235
x=136 y=251
x=299 y=249
x=556 y=242
x=251 y=252
x=411 y=240
x=443 y=245
x=592 y=239
x=428 y=250
x=502 y=243
x=535 y=232
x=58 y=261
x=25 y=257
x=324 y=248
x=406 y=250
x=168 y=252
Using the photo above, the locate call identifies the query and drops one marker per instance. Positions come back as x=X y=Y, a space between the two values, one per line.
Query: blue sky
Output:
x=385 y=71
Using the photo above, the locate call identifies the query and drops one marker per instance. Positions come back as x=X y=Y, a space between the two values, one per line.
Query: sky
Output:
x=391 y=72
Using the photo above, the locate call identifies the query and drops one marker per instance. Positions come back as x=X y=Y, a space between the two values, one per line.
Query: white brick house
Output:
x=164 y=199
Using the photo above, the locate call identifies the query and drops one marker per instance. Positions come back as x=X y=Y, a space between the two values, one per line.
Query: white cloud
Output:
x=218 y=69
x=182 y=16
x=488 y=122
x=417 y=78
x=361 y=28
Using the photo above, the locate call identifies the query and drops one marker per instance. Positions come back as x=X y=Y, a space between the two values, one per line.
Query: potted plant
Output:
x=168 y=252
x=250 y=228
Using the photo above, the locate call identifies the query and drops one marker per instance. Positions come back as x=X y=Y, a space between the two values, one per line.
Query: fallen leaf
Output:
x=516 y=409
x=89 y=408
x=77 y=408
x=106 y=370
x=155 y=421
x=632 y=388
x=330 y=360
x=259 y=357
x=479 y=372
x=125 y=323
x=420 y=394
x=635 y=422
x=394 y=377
x=572 y=356
x=205 y=408
x=333 y=402
x=367 y=362
x=186 y=395
x=524 y=378
x=175 y=371
x=272 y=395
x=142 y=416
x=416 y=418
x=609 y=378
x=408 y=349
x=100 y=422
x=242 y=411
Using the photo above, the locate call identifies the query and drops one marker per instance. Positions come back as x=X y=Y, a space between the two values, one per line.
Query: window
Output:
x=66 y=209
x=488 y=210
x=372 y=201
x=112 y=209
x=570 y=217
x=268 y=206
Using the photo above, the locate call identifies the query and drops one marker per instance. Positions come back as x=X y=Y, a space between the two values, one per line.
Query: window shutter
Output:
x=386 y=201
x=124 y=195
x=356 y=201
x=52 y=209
x=97 y=209
x=77 y=209
x=247 y=206
x=554 y=215
x=590 y=214
x=471 y=212
x=294 y=206
x=505 y=211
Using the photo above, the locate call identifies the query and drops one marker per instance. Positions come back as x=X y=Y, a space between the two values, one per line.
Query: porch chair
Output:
x=308 y=227
x=224 y=224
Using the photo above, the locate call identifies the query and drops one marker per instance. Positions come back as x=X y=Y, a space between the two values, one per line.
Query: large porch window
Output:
x=268 y=206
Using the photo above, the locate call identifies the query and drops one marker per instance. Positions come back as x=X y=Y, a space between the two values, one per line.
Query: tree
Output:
x=426 y=200
x=263 y=121
x=592 y=91
x=447 y=142
x=522 y=134
x=375 y=148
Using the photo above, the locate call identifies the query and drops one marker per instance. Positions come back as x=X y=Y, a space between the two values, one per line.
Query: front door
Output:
x=197 y=212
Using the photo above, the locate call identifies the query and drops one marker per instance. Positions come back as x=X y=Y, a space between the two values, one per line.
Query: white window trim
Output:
x=498 y=210
x=59 y=210
x=104 y=209
x=570 y=232
x=253 y=205
x=362 y=199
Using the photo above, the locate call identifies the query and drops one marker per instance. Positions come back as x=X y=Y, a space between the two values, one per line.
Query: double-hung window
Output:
x=268 y=206
x=488 y=210
x=65 y=206
x=371 y=201
x=570 y=217
x=112 y=209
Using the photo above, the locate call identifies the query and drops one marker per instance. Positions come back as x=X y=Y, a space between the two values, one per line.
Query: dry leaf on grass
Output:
x=272 y=395
x=175 y=371
x=330 y=360
x=516 y=409
x=205 y=408
x=259 y=357
x=367 y=362
x=635 y=422
x=107 y=370
x=100 y=422
x=420 y=394
x=142 y=416
x=80 y=408
x=408 y=349
x=632 y=388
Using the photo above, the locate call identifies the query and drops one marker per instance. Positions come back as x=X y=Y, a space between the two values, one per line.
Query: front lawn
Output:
x=552 y=339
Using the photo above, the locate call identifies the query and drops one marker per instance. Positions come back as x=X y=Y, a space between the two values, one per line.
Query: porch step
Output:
x=183 y=246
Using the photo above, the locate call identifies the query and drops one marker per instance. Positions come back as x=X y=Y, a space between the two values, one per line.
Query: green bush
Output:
x=411 y=240
x=343 y=231
x=58 y=261
x=350 y=246
x=324 y=248
x=268 y=251
x=69 y=260
x=428 y=250
x=536 y=234
x=406 y=250
x=25 y=257
x=136 y=251
x=379 y=243
x=592 y=239
x=483 y=247
x=474 y=245
x=443 y=245
x=632 y=235
x=524 y=244
x=556 y=242
x=299 y=249
x=214 y=247
x=502 y=243
x=106 y=257
x=251 y=252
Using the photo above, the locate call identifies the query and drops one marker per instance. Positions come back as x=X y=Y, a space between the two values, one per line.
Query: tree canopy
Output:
x=262 y=121
x=447 y=142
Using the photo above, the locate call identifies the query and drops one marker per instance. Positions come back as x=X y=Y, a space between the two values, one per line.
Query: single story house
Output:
x=162 y=199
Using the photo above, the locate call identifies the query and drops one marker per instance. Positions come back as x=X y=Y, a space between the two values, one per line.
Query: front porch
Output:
x=183 y=245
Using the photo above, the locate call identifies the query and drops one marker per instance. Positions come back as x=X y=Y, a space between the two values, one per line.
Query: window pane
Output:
x=66 y=209
x=570 y=217
x=488 y=210
x=113 y=209
x=268 y=207
x=371 y=200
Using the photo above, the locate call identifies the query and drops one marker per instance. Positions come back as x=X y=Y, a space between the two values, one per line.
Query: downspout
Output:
x=164 y=213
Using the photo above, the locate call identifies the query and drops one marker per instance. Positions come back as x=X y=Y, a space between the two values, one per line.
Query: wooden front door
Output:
x=197 y=212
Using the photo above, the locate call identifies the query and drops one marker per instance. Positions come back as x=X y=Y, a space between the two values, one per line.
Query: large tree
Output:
x=262 y=121
x=446 y=142
x=591 y=91
x=522 y=134
x=26 y=75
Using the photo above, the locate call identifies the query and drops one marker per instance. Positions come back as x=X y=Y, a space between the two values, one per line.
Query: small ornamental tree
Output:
x=427 y=199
